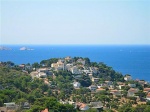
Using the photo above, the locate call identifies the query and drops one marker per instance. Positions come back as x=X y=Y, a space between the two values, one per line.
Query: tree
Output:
x=35 y=65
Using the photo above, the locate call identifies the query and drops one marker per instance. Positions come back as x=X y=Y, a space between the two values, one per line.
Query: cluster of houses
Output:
x=77 y=69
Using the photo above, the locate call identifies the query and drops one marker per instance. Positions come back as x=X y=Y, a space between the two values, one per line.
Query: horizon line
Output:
x=78 y=44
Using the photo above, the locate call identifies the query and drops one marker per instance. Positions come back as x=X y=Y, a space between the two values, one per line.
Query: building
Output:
x=100 y=90
x=45 y=110
x=42 y=75
x=74 y=70
x=82 y=106
x=95 y=79
x=109 y=83
x=97 y=105
x=10 y=106
x=148 y=96
x=121 y=86
x=132 y=91
x=93 y=87
x=132 y=85
x=69 y=66
x=34 y=74
x=147 y=90
x=81 y=61
x=76 y=85
x=94 y=70
x=54 y=65
x=115 y=92
x=68 y=59
x=3 y=109
x=127 y=78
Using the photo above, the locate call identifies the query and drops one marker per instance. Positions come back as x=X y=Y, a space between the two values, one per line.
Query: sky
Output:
x=95 y=22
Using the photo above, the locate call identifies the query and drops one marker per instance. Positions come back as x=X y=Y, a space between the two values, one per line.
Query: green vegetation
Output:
x=17 y=85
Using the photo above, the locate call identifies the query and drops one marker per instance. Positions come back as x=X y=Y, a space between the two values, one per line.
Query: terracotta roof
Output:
x=46 y=110
x=114 y=90
x=148 y=95
x=100 y=89
x=146 y=89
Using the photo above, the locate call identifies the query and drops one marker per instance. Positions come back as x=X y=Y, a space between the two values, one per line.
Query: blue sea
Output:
x=133 y=60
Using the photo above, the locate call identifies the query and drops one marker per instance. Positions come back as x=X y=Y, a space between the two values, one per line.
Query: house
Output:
x=142 y=82
x=100 y=90
x=87 y=71
x=115 y=92
x=76 y=85
x=34 y=74
x=97 y=105
x=47 y=82
x=69 y=66
x=45 y=110
x=120 y=83
x=42 y=75
x=94 y=70
x=60 y=64
x=93 y=87
x=3 y=109
x=109 y=83
x=101 y=85
x=90 y=75
x=95 y=79
x=54 y=65
x=132 y=91
x=22 y=66
x=148 y=96
x=28 y=67
x=68 y=59
x=127 y=78
x=132 y=85
x=61 y=60
x=10 y=106
x=81 y=61
x=121 y=86
x=146 y=90
x=82 y=106
x=43 y=70
x=26 y=105
x=74 y=70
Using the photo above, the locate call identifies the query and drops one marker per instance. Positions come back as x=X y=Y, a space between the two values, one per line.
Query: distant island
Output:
x=4 y=48
x=25 y=48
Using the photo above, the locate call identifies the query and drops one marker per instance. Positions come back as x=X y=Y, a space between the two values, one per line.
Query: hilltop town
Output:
x=75 y=84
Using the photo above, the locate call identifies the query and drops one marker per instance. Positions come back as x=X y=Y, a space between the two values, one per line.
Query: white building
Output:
x=95 y=79
x=128 y=78
x=76 y=85
x=42 y=75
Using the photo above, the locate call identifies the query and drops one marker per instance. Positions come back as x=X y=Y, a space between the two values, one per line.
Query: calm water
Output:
x=134 y=60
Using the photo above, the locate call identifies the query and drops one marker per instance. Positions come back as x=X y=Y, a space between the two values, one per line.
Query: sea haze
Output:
x=133 y=60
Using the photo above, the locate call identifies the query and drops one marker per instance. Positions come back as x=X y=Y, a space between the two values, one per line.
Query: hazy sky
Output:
x=75 y=22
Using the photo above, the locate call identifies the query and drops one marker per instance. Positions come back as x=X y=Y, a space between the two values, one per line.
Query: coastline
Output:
x=132 y=59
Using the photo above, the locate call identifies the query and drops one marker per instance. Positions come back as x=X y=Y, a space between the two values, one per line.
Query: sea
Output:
x=126 y=59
